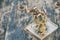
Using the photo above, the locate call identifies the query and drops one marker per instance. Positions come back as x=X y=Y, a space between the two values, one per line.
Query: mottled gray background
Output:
x=13 y=22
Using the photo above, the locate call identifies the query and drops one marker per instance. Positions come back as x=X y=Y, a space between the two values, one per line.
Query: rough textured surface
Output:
x=13 y=22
